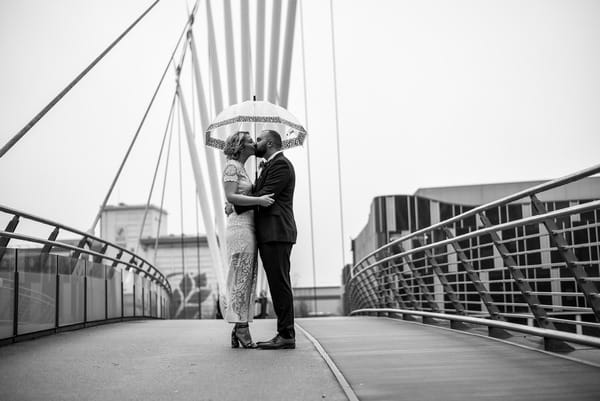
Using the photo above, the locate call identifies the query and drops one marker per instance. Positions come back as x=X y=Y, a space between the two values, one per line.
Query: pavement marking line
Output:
x=554 y=354
x=334 y=369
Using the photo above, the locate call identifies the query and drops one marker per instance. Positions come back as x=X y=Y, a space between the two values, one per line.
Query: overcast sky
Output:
x=431 y=93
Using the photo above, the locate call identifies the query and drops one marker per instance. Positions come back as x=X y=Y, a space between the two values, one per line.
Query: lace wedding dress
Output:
x=241 y=252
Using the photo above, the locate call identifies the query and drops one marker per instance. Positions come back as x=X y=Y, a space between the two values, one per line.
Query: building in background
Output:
x=318 y=301
x=184 y=260
x=392 y=217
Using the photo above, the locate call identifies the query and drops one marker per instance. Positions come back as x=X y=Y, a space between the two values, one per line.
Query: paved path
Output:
x=385 y=359
x=162 y=360
x=382 y=359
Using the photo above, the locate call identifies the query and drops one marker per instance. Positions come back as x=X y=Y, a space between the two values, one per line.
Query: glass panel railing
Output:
x=128 y=282
x=147 y=305
x=7 y=291
x=96 y=307
x=154 y=298
x=37 y=291
x=113 y=288
x=138 y=295
x=71 y=298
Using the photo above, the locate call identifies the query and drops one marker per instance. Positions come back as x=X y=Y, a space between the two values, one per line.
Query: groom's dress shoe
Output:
x=277 y=342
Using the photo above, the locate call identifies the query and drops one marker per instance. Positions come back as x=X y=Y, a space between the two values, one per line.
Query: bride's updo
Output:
x=234 y=145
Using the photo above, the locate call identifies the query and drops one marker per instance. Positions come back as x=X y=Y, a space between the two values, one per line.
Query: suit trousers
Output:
x=276 y=262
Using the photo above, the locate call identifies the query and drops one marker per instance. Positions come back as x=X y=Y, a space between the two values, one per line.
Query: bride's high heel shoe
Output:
x=241 y=331
x=234 y=341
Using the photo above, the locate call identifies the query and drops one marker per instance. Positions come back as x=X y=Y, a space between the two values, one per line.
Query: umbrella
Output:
x=255 y=116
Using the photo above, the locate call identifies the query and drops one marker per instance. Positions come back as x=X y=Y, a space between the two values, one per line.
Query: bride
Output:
x=240 y=238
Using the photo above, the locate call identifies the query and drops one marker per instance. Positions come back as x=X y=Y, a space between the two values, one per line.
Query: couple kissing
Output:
x=261 y=222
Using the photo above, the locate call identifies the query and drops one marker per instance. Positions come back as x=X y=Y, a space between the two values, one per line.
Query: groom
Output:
x=276 y=233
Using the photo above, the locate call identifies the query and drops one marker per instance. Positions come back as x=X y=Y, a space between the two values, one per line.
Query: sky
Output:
x=430 y=93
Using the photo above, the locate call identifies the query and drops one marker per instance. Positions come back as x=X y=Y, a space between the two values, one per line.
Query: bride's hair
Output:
x=234 y=145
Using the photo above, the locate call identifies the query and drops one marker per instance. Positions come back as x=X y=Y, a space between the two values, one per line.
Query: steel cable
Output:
x=97 y=218
x=54 y=101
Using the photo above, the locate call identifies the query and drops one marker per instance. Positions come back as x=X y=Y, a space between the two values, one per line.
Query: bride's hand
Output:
x=266 y=200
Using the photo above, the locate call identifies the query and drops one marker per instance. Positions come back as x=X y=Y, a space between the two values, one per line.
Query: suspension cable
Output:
x=162 y=198
x=54 y=101
x=97 y=218
x=337 y=131
x=310 y=198
x=184 y=300
x=162 y=146
x=196 y=201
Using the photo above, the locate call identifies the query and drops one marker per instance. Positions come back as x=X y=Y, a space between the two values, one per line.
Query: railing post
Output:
x=122 y=296
x=16 y=296
x=405 y=287
x=47 y=247
x=484 y=295
x=57 y=302
x=134 y=274
x=367 y=288
x=532 y=300
x=448 y=290
x=475 y=279
x=373 y=287
x=432 y=304
x=98 y=259
x=587 y=287
x=10 y=227
x=105 y=291
x=82 y=242
x=396 y=289
x=85 y=291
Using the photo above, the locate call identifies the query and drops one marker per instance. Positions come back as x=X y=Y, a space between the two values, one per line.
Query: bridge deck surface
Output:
x=382 y=359
x=387 y=359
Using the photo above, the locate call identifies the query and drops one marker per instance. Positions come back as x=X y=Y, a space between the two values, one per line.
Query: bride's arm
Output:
x=245 y=200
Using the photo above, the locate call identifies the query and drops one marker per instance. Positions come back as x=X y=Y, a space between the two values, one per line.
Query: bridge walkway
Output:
x=382 y=359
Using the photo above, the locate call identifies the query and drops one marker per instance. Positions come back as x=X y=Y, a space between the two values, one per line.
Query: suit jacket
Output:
x=275 y=223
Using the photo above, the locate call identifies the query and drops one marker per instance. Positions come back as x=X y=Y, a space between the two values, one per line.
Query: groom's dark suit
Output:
x=275 y=234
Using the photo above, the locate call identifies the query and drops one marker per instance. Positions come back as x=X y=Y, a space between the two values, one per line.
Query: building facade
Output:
x=184 y=260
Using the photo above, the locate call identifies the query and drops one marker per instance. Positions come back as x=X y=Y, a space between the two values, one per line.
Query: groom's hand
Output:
x=228 y=208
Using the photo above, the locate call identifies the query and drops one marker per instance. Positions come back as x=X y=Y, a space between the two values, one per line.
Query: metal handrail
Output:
x=436 y=269
x=536 y=331
x=73 y=248
x=499 y=202
x=525 y=221
x=161 y=278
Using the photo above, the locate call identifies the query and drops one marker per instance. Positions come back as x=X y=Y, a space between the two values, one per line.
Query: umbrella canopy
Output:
x=255 y=116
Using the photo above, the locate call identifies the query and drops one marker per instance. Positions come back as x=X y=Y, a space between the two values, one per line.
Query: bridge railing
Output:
x=517 y=260
x=53 y=285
